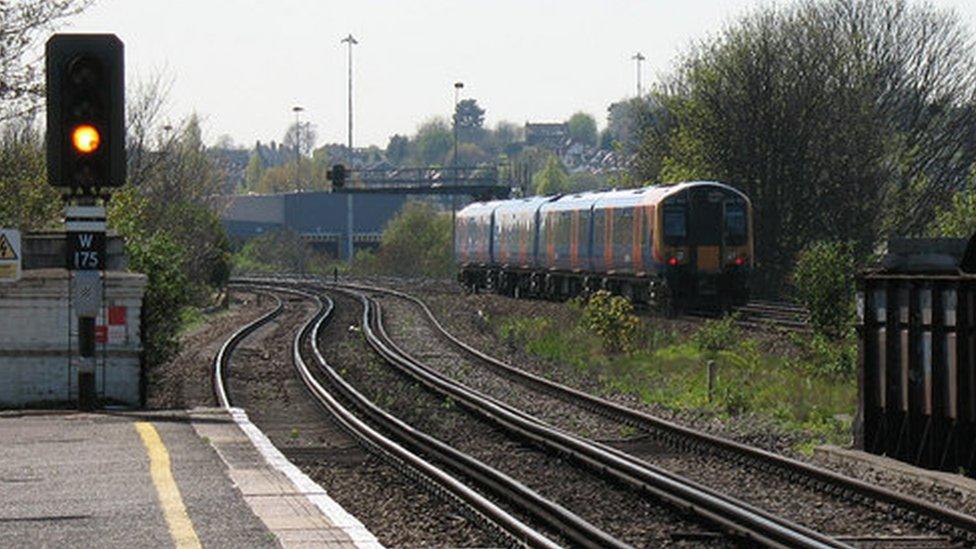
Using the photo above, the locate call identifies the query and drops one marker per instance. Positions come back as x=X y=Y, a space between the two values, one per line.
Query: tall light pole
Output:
x=350 y=41
x=298 y=141
x=457 y=95
x=639 y=57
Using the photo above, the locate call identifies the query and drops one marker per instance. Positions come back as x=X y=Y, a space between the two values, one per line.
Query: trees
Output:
x=416 y=242
x=24 y=25
x=28 y=203
x=398 y=148
x=551 y=179
x=843 y=120
x=302 y=136
x=582 y=129
x=433 y=142
x=958 y=219
x=254 y=172
x=468 y=115
x=824 y=283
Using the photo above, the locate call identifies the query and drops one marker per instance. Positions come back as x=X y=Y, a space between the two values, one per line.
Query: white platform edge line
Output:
x=360 y=536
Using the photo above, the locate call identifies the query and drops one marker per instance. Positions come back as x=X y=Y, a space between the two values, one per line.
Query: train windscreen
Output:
x=675 y=226
x=735 y=224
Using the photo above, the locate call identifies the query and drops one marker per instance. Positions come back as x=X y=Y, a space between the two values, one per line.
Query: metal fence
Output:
x=917 y=359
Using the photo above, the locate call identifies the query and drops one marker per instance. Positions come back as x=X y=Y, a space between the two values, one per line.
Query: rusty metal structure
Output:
x=917 y=355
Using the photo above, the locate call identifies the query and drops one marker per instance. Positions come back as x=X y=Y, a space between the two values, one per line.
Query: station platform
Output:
x=200 y=478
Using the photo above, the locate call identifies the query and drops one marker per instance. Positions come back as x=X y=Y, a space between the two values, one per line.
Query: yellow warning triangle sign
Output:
x=6 y=250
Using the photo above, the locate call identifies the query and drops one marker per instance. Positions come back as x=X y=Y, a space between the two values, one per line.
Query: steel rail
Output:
x=221 y=363
x=738 y=517
x=443 y=483
x=553 y=515
x=648 y=422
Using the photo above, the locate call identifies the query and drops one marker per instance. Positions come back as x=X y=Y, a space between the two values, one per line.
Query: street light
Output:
x=457 y=94
x=351 y=41
x=298 y=141
x=639 y=57
x=349 y=213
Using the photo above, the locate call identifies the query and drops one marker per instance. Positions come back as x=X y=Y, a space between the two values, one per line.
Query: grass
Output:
x=670 y=370
x=191 y=318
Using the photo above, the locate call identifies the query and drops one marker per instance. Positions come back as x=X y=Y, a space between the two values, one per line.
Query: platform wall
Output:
x=38 y=337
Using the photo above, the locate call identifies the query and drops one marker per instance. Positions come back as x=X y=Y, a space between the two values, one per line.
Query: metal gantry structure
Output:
x=480 y=182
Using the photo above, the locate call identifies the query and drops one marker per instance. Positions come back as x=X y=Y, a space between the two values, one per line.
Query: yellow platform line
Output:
x=180 y=526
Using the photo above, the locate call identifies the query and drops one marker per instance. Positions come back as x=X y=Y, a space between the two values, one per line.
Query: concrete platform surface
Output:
x=157 y=479
x=884 y=464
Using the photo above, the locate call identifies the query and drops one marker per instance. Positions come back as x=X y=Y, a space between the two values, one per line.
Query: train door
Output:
x=705 y=230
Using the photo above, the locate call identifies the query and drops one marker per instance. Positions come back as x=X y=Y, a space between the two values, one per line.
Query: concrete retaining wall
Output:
x=38 y=336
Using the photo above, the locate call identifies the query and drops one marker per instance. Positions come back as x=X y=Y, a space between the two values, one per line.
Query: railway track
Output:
x=933 y=517
x=761 y=314
x=746 y=522
x=410 y=463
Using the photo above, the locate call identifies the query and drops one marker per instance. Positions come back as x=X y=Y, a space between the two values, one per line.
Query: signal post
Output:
x=85 y=160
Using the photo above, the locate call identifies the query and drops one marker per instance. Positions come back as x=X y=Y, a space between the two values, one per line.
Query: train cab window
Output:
x=675 y=226
x=735 y=224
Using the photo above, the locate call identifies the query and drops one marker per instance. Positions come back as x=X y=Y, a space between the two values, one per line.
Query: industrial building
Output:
x=318 y=217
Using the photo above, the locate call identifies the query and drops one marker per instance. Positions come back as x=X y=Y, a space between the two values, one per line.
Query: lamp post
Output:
x=454 y=161
x=351 y=41
x=457 y=94
x=298 y=141
x=638 y=58
x=349 y=221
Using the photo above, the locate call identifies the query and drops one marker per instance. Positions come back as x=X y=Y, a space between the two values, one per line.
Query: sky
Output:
x=242 y=65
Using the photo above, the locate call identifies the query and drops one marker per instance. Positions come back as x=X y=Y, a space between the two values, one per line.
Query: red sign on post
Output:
x=101 y=334
x=116 y=316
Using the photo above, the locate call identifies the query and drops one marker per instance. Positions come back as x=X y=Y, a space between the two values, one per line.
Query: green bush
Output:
x=182 y=249
x=611 y=318
x=830 y=357
x=417 y=242
x=717 y=335
x=824 y=282
x=281 y=251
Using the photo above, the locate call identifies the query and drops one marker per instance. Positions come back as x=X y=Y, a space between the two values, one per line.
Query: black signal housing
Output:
x=85 y=112
x=337 y=175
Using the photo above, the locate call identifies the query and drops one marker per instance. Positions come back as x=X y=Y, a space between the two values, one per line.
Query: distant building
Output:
x=551 y=136
x=318 y=217
x=233 y=165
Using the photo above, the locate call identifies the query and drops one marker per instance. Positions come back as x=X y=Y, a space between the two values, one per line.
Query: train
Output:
x=667 y=246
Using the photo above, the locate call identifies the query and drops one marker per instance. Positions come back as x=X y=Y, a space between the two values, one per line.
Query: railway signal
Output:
x=85 y=112
x=337 y=175
x=85 y=158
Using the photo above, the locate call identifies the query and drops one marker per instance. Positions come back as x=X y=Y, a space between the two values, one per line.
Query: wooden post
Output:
x=712 y=375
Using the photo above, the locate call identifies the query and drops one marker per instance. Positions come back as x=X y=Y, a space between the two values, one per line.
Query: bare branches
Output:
x=23 y=25
x=843 y=119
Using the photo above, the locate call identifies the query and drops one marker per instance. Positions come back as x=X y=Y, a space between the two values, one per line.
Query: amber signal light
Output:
x=85 y=139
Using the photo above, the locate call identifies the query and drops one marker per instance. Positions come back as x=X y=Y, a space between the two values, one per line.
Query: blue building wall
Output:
x=311 y=214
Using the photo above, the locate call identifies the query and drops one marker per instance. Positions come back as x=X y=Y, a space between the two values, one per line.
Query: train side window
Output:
x=675 y=225
x=735 y=224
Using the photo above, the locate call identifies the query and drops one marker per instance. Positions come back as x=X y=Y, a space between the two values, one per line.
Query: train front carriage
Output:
x=704 y=247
